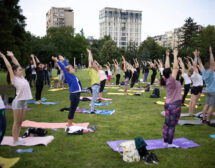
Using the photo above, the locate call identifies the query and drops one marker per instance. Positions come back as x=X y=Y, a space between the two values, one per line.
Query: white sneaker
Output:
x=165 y=144
x=66 y=128
x=172 y=146
x=19 y=142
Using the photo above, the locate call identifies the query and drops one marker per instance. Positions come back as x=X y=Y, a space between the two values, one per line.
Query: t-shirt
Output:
x=23 y=91
x=117 y=70
x=33 y=70
x=94 y=75
x=187 y=79
x=102 y=75
x=1 y=103
x=196 y=79
x=209 y=78
x=109 y=72
x=173 y=90
x=40 y=75
x=161 y=70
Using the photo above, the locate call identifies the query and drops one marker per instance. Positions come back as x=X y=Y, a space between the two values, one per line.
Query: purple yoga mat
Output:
x=157 y=144
x=7 y=107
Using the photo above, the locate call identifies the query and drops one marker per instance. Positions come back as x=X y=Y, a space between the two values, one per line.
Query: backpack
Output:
x=156 y=93
x=34 y=132
x=130 y=153
x=141 y=146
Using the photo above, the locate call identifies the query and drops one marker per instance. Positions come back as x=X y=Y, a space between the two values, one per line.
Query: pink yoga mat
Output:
x=35 y=124
x=106 y=99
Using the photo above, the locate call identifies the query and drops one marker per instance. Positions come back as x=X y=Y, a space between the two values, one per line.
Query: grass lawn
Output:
x=134 y=116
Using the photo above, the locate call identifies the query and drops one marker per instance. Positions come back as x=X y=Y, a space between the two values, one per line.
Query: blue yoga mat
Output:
x=104 y=112
x=212 y=136
x=103 y=104
x=43 y=101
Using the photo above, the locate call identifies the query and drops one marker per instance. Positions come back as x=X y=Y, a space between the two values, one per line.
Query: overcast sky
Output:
x=158 y=16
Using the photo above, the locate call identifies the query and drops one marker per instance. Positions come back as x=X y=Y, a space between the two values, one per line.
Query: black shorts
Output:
x=102 y=86
x=196 y=90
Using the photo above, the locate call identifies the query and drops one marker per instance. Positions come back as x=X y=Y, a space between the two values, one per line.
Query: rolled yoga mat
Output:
x=157 y=144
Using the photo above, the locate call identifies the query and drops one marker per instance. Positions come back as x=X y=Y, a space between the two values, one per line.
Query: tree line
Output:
x=64 y=41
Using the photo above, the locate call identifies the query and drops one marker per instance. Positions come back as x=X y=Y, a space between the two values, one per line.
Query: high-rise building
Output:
x=57 y=17
x=123 y=26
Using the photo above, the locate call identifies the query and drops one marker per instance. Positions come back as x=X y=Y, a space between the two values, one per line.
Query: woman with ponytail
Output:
x=23 y=93
x=173 y=99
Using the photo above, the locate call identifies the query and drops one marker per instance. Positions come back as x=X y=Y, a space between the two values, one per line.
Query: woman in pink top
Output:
x=23 y=93
x=173 y=99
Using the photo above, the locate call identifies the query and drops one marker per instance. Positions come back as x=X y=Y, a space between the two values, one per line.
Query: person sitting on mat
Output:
x=173 y=99
x=95 y=81
x=209 y=78
x=23 y=93
x=74 y=87
x=197 y=81
x=187 y=80
x=117 y=70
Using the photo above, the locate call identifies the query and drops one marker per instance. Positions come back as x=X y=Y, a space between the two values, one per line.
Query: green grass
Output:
x=134 y=116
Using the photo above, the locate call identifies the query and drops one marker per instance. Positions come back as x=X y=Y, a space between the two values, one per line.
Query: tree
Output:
x=12 y=32
x=109 y=51
x=131 y=52
x=190 y=32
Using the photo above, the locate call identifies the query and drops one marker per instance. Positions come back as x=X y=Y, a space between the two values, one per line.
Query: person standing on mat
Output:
x=74 y=87
x=154 y=73
x=117 y=69
x=2 y=120
x=103 y=78
x=209 y=78
x=23 y=93
x=109 y=73
x=137 y=67
x=126 y=75
x=187 y=80
x=39 y=80
x=95 y=81
x=145 y=71
x=173 y=99
x=134 y=75
x=197 y=85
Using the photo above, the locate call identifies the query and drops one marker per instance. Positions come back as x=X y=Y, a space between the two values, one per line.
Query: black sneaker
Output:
x=93 y=112
x=148 y=159
x=204 y=121
x=92 y=128
x=154 y=158
x=208 y=123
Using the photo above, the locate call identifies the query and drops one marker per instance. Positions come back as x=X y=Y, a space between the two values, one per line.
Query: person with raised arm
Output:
x=145 y=71
x=109 y=73
x=197 y=83
x=134 y=75
x=173 y=99
x=117 y=69
x=126 y=75
x=23 y=93
x=209 y=78
x=95 y=80
x=74 y=88
x=187 y=80
x=154 y=72
x=137 y=67
x=103 y=78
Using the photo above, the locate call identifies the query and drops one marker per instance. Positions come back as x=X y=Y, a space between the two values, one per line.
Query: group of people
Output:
x=196 y=76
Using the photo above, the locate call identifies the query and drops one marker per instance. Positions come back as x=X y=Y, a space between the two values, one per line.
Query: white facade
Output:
x=123 y=26
x=57 y=17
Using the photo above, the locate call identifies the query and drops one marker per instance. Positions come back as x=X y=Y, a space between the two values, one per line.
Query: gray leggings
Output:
x=126 y=81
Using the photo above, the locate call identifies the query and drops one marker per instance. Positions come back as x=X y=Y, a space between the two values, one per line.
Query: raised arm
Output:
x=90 y=58
x=37 y=60
x=189 y=65
x=167 y=64
x=32 y=57
x=13 y=58
x=181 y=65
x=175 y=64
x=8 y=65
x=212 y=63
x=124 y=64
